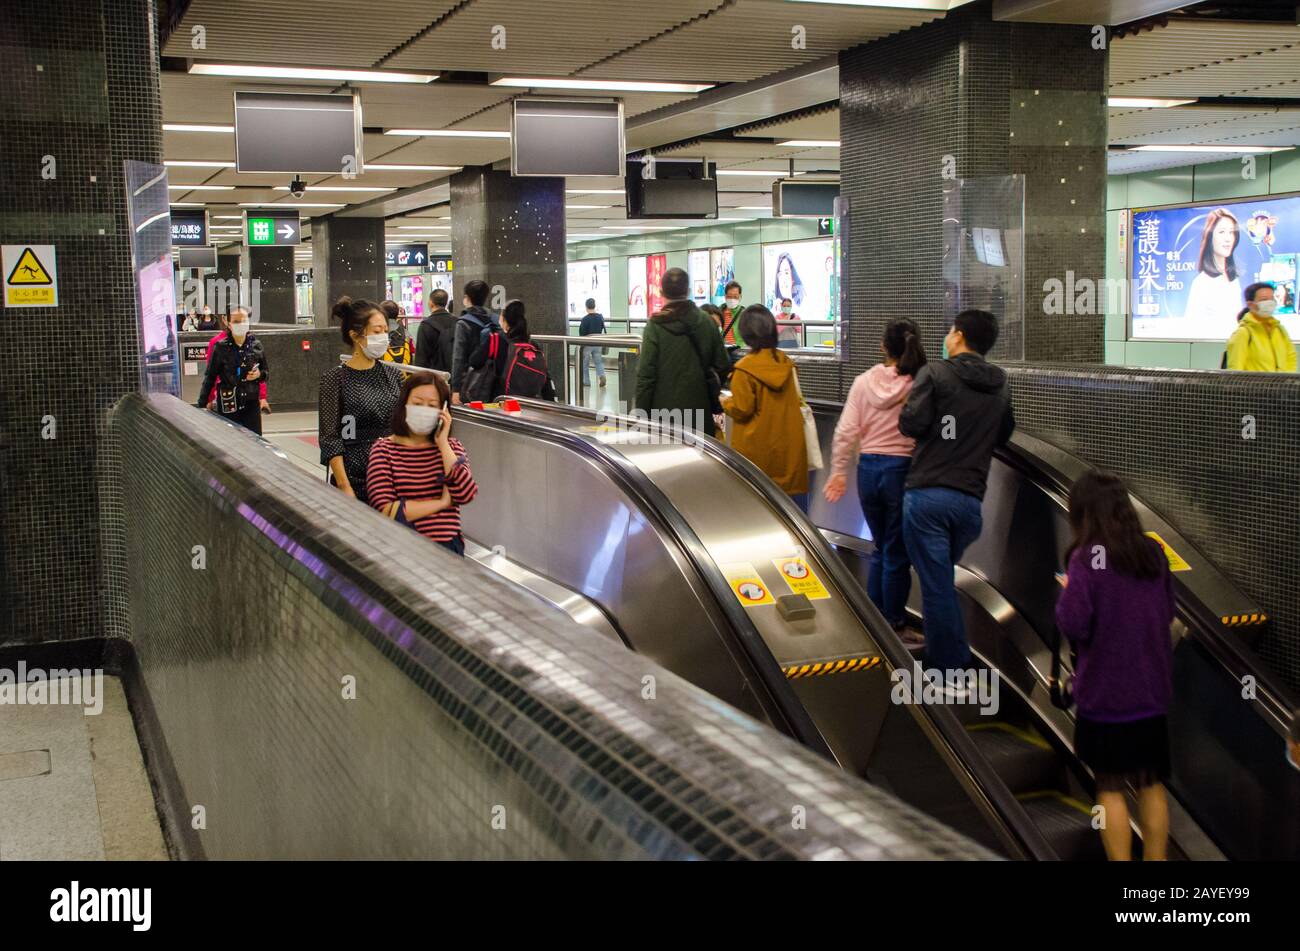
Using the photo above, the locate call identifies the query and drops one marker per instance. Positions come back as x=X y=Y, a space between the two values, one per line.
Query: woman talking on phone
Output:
x=419 y=475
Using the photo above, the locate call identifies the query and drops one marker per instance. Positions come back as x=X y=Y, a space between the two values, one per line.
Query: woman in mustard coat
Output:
x=764 y=405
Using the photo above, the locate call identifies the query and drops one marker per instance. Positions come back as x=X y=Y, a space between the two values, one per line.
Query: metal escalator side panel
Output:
x=938 y=723
x=649 y=570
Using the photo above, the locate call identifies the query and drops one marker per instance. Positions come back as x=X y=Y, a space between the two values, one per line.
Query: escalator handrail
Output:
x=776 y=696
x=1009 y=817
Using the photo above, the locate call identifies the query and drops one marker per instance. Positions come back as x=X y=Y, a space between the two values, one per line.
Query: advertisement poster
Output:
x=697 y=268
x=413 y=295
x=656 y=265
x=151 y=258
x=1189 y=266
x=587 y=279
x=636 y=297
x=803 y=271
x=158 y=310
x=722 y=265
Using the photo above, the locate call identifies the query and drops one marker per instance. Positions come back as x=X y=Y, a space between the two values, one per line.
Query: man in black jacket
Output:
x=474 y=319
x=958 y=411
x=435 y=340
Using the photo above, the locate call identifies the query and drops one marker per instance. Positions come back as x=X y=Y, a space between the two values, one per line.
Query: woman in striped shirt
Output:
x=420 y=475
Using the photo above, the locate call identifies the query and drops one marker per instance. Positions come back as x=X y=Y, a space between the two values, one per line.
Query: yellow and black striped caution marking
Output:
x=797 y=671
x=1243 y=620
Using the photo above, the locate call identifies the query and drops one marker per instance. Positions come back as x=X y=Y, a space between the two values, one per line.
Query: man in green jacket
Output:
x=679 y=345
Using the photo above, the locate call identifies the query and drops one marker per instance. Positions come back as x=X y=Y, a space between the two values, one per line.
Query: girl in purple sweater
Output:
x=1116 y=609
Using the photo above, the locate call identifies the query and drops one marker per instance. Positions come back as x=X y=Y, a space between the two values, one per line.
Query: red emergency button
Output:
x=306 y=344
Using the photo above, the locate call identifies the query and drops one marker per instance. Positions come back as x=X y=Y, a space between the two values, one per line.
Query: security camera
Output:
x=297 y=187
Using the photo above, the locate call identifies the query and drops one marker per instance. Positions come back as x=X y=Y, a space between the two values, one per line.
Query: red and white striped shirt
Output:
x=409 y=473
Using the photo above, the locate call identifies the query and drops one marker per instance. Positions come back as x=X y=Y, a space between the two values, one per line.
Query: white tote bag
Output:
x=810 y=439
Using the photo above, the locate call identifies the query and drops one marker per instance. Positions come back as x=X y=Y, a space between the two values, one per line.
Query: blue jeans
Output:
x=880 y=490
x=800 y=499
x=938 y=524
x=592 y=356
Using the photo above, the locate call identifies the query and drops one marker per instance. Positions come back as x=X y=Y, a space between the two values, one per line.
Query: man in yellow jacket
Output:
x=1260 y=342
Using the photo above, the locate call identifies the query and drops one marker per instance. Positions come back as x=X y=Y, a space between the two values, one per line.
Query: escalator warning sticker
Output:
x=801 y=578
x=1176 y=562
x=747 y=585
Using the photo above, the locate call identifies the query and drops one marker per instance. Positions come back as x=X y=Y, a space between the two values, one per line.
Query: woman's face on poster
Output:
x=785 y=278
x=1225 y=236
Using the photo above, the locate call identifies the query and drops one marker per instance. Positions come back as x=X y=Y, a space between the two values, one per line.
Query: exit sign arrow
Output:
x=286 y=232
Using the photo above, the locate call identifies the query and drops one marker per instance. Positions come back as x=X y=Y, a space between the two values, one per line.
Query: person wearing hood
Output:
x=868 y=432
x=958 y=411
x=764 y=403
x=236 y=375
x=680 y=351
x=1260 y=342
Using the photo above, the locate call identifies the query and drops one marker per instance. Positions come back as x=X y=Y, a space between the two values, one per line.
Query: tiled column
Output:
x=969 y=98
x=270 y=283
x=347 y=258
x=510 y=232
x=80 y=81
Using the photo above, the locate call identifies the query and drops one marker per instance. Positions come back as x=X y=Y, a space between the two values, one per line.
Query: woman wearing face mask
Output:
x=419 y=475
x=789 y=336
x=1260 y=342
x=356 y=398
x=239 y=314
x=236 y=374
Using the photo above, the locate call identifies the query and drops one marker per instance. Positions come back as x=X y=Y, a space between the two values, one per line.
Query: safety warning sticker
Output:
x=31 y=275
x=1176 y=562
x=800 y=577
x=747 y=585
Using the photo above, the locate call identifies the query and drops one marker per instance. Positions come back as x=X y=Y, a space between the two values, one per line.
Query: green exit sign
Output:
x=261 y=231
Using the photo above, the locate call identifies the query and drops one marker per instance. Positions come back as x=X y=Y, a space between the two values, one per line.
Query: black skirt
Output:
x=1136 y=752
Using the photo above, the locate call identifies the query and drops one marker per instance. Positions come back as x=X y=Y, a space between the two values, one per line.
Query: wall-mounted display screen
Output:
x=412 y=299
x=636 y=292
x=803 y=271
x=1189 y=266
x=697 y=267
x=722 y=269
x=588 y=279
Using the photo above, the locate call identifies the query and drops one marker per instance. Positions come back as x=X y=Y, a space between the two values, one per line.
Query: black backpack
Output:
x=525 y=373
x=481 y=385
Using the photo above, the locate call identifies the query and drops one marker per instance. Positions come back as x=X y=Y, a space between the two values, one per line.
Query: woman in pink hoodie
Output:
x=868 y=430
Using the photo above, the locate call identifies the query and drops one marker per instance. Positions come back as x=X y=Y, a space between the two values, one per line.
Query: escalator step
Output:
x=1066 y=824
x=1025 y=762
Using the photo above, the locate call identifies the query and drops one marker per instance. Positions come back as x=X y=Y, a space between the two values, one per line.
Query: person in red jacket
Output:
x=239 y=313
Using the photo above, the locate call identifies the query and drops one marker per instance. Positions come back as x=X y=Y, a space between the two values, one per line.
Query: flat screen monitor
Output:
x=566 y=137
x=197 y=258
x=671 y=188
x=297 y=132
x=796 y=199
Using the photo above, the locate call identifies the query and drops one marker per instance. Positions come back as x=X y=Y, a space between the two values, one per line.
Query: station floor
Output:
x=73 y=786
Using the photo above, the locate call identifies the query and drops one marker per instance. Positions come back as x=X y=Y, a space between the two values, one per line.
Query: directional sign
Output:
x=189 y=227
x=406 y=255
x=825 y=227
x=272 y=226
x=31 y=275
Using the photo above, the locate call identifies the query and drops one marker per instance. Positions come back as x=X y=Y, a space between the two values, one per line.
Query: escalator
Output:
x=689 y=555
x=1232 y=793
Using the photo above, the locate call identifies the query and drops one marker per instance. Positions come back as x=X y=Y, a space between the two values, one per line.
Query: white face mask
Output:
x=1266 y=308
x=423 y=419
x=239 y=330
x=376 y=345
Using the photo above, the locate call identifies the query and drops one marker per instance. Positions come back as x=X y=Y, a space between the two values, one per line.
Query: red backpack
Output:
x=526 y=373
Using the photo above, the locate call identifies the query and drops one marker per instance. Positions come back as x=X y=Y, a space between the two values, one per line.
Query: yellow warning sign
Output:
x=30 y=275
x=1176 y=562
x=798 y=574
x=747 y=586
